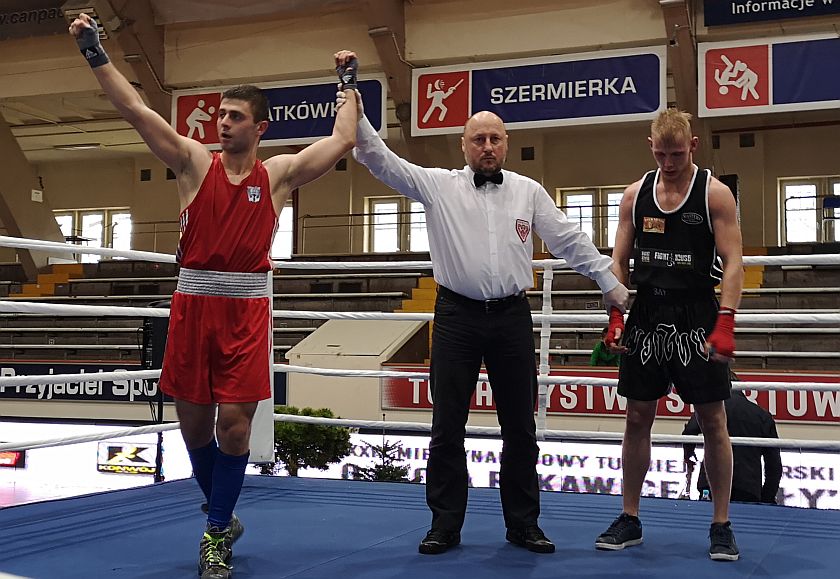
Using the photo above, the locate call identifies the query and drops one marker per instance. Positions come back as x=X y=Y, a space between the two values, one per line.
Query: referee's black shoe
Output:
x=532 y=538
x=438 y=541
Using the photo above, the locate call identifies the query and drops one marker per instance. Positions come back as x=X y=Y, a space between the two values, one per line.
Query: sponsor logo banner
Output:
x=299 y=113
x=91 y=389
x=126 y=458
x=586 y=400
x=720 y=12
x=772 y=75
x=579 y=89
x=809 y=479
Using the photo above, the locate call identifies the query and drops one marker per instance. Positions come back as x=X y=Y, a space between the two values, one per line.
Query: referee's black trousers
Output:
x=465 y=332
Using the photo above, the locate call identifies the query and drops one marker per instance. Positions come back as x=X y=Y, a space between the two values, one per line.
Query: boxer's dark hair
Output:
x=251 y=95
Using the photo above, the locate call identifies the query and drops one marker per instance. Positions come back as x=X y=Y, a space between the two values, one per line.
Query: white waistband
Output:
x=230 y=284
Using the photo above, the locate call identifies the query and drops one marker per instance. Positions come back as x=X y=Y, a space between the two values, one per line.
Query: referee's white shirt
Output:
x=481 y=238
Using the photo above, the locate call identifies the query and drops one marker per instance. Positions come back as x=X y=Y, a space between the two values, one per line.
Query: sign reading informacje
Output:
x=299 y=113
x=769 y=75
x=720 y=12
x=578 y=89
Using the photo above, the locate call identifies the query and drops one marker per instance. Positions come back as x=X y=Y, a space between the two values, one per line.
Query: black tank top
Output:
x=676 y=249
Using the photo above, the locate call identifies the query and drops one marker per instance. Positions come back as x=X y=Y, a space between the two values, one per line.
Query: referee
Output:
x=481 y=222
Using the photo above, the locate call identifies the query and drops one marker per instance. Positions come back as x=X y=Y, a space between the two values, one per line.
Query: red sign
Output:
x=443 y=100
x=13 y=458
x=196 y=116
x=586 y=400
x=738 y=77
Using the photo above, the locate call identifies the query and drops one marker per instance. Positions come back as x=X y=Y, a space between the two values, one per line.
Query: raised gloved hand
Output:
x=347 y=68
x=615 y=331
x=721 y=342
x=86 y=32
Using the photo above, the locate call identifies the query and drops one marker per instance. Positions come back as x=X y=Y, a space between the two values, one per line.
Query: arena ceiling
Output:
x=57 y=126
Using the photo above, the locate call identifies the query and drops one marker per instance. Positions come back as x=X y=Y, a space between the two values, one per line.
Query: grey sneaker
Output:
x=722 y=542
x=215 y=553
x=236 y=526
x=625 y=531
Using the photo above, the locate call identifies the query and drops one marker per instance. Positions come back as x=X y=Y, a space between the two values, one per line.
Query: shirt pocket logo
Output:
x=254 y=193
x=523 y=228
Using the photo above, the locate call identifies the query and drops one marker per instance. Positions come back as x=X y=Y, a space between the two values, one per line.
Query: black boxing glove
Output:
x=91 y=49
x=347 y=74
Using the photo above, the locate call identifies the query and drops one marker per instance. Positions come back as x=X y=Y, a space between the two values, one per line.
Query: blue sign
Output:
x=608 y=86
x=601 y=87
x=807 y=71
x=299 y=114
x=768 y=76
x=721 y=12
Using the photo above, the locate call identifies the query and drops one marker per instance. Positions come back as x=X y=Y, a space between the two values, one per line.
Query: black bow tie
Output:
x=480 y=179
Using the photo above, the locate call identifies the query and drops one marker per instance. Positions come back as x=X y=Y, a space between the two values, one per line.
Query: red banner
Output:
x=587 y=400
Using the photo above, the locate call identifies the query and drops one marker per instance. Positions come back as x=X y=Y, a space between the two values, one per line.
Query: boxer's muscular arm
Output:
x=188 y=159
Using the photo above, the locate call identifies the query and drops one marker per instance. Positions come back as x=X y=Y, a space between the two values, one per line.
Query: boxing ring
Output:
x=308 y=528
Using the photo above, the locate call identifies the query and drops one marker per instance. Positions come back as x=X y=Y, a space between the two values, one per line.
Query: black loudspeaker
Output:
x=731 y=181
x=154 y=338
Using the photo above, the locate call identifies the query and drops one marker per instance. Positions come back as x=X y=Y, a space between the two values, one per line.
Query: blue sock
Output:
x=203 y=460
x=228 y=475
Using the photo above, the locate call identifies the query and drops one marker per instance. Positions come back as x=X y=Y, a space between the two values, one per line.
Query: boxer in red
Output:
x=218 y=352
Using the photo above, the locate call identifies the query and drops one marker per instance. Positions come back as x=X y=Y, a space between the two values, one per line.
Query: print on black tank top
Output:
x=675 y=250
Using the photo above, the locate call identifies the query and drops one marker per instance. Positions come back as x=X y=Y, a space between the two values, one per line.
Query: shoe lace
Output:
x=212 y=546
x=618 y=525
x=720 y=535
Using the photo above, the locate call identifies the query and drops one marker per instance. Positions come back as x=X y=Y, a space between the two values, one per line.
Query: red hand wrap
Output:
x=616 y=323
x=722 y=338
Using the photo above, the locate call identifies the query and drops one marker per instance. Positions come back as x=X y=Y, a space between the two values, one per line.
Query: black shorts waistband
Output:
x=691 y=294
x=486 y=305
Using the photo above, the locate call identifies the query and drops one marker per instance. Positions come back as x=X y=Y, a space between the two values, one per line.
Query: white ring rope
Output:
x=48 y=443
x=58 y=247
x=599 y=318
x=24 y=307
x=791 y=444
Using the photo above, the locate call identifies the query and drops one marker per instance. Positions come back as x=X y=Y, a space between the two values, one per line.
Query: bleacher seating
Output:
x=131 y=283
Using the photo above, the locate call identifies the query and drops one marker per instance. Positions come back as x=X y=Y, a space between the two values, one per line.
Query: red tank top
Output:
x=229 y=227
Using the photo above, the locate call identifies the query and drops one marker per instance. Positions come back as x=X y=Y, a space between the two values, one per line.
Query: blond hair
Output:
x=671 y=125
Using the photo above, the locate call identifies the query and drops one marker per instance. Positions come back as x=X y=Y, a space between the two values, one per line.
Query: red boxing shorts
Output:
x=218 y=348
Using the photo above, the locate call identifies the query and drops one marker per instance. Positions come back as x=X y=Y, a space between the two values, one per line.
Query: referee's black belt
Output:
x=488 y=306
